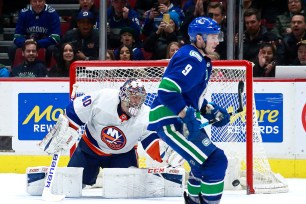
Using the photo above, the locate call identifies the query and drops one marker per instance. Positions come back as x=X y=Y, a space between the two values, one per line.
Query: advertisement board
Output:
x=31 y=109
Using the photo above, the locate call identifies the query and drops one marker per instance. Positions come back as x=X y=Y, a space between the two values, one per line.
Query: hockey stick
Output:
x=240 y=108
x=47 y=194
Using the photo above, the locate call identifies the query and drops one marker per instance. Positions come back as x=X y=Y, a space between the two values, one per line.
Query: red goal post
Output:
x=241 y=135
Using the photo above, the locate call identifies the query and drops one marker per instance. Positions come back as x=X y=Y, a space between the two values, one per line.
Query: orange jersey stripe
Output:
x=73 y=126
x=93 y=147
x=153 y=151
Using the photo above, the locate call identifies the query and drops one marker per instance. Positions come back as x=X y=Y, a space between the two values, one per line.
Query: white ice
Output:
x=13 y=191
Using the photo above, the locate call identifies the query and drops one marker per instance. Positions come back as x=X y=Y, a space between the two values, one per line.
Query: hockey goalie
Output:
x=115 y=121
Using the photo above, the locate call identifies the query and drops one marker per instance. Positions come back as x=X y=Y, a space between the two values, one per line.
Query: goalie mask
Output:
x=132 y=95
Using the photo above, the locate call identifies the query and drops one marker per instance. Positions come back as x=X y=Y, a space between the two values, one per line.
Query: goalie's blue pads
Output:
x=216 y=112
x=193 y=124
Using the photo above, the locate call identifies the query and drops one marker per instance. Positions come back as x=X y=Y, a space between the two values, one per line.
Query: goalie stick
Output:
x=240 y=108
x=47 y=194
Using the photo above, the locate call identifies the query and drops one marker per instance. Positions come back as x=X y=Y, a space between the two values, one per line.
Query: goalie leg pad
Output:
x=67 y=181
x=36 y=180
x=143 y=183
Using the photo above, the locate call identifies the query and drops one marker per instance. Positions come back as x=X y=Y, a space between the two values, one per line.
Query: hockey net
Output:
x=240 y=139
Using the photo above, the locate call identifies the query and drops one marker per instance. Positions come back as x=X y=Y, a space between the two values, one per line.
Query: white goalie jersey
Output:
x=106 y=132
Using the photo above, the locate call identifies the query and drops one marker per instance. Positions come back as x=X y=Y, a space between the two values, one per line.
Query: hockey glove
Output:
x=192 y=123
x=216 y=112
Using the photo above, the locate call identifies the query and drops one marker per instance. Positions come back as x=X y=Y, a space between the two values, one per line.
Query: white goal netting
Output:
x=240 y=139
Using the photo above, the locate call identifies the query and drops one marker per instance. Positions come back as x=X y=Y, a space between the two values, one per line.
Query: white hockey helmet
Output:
x=133 y=94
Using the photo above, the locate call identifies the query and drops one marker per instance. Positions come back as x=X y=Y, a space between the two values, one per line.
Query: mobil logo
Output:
x=303 y=117
x=113 y=137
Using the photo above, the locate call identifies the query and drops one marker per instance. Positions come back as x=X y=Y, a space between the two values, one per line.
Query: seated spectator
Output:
x=127 y=36
x=155 y=16
x=188 y=4
x=85 y=5
x=4 y=72
x=265 y=62
x=301 y=54
x=31 y=67
x=119 y=15
x=254 y=33
x=110 y=55
x=125 y=53
x=298 y=27
x=66 y=58
x=282 y=23
x=269 y=10
x=172 y=48
x=217 y=12
x=199 y=9
x=247 y=4
x=142 y=6
x=278 y=44
x=158 y=41
x=39 y=22
x=85 y=39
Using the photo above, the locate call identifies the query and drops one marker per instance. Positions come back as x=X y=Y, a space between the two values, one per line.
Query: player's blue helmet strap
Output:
x=204 y=26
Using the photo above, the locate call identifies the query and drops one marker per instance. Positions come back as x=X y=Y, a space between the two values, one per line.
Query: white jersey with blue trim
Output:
x=99 y=111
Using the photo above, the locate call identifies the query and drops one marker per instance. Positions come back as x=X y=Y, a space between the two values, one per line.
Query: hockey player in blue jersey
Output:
x=39 y=22
x=181 y=101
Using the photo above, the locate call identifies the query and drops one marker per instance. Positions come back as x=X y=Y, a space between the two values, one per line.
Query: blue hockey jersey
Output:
x=183 y=84
x=43 y=27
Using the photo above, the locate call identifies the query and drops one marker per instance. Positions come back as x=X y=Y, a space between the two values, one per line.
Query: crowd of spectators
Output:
x=273 y=33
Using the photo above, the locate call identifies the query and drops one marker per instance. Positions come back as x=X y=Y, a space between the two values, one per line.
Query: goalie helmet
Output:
x=204 y=26
x=133 y=95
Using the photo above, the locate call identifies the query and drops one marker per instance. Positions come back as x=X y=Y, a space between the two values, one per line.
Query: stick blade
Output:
x=240 y=92
x=240 y=87
x=48 y=196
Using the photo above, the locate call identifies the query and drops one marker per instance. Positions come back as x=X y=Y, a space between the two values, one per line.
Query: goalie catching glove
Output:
x=61 y=138
x=214 y=112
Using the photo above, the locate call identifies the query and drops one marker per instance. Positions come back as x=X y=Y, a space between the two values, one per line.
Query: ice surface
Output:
x=13 y=190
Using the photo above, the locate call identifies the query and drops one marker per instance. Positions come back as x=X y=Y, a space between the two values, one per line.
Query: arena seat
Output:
x=65 y=26
x=147 y=55
x=132 y=3
x=97 y=3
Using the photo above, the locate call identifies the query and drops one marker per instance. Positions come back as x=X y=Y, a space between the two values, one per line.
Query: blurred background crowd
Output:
x=40 y=38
